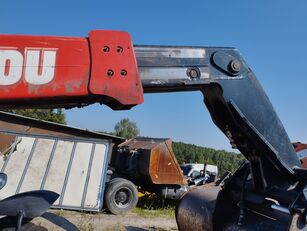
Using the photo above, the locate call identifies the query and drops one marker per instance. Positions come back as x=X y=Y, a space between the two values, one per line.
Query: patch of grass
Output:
x=154 y=212
x=85 y=222
x=153 y=201
x=59 y=212
x=152 y=206
x=86 y=227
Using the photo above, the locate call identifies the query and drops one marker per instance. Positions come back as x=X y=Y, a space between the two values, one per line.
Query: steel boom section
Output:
x=236 y=101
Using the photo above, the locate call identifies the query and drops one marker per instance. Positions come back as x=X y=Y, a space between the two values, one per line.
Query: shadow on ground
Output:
x=132 y=228
x=8 y=223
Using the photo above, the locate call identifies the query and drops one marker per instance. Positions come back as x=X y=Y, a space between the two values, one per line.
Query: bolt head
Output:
x=123 y=72
x=106 y=49
x=193 y=73
x=110 y=73
x=235 y=65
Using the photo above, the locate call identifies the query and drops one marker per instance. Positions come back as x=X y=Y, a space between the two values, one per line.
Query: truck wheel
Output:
x=121 y=196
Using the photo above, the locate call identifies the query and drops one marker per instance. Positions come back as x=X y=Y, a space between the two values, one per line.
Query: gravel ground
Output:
x=100 y=221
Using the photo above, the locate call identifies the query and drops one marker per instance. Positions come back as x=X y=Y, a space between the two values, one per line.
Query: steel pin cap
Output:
x=235 y=66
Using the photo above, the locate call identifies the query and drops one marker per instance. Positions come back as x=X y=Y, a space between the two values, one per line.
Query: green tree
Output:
x=127 y=129
x=52 y=115
x=190 y=153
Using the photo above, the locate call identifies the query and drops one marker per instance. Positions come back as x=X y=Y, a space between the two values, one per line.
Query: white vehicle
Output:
x=200 y=173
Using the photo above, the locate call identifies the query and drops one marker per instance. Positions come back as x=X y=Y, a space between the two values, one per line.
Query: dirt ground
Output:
x=100 y=221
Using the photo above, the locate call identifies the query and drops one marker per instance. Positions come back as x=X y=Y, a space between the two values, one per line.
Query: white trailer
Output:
x=39 y=155
x=74 y=168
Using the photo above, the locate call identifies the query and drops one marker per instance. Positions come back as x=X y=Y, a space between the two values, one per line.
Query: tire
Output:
x=121 y=196
x=112 y=181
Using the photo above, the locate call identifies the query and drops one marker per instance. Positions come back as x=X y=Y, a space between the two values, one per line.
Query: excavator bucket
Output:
x=151 y=160
x=150 y=163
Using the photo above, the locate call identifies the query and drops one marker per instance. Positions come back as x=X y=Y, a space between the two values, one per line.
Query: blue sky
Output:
x=271 y=35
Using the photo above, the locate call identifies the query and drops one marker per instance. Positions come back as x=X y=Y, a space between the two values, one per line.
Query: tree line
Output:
x=190 y=153
x=52 y=115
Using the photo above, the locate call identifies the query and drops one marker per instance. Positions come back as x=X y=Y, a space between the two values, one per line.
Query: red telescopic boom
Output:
x=69 y=71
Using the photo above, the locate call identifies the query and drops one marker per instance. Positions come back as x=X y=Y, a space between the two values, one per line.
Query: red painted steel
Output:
x=68 y=71
x=114 y=68
x=71 y=71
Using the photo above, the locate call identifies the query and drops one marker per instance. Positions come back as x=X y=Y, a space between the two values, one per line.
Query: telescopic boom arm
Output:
x=41 y=71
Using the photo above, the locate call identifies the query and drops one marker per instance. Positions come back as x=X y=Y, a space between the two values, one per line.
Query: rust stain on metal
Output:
x=69 y=87
x=33 y=89
x=72 y=86
x=163 y=165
